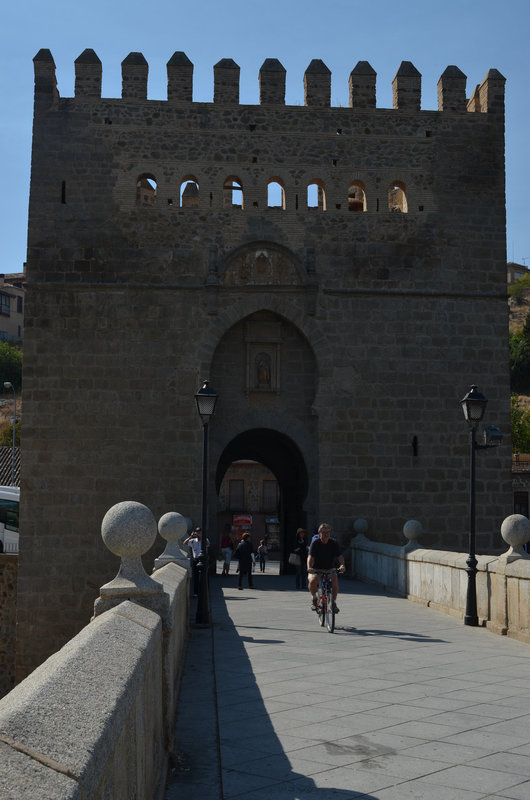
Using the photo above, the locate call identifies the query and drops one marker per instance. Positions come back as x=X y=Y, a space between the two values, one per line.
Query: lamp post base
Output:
x=471 y=616
x=202 y=616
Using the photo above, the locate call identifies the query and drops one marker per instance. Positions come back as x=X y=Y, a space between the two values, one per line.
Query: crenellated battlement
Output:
x=488 y=97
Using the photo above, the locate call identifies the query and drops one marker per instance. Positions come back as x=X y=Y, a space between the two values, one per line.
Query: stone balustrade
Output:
x=438 y=578
x=96 y=719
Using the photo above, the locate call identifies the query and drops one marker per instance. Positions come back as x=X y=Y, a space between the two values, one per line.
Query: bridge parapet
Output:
x=438 y=578
x=96 y=719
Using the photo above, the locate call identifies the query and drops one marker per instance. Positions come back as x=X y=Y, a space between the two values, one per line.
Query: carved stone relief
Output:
x=261 y=266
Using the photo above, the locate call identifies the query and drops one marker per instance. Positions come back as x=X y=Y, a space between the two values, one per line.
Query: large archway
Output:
x=282 y=457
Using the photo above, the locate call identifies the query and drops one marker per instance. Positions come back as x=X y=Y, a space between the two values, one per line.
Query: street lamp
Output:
x=474 y=405
x=9 y=385
x=206 y=400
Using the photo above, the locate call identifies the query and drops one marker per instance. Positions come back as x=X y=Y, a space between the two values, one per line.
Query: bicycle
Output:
x=325 y=606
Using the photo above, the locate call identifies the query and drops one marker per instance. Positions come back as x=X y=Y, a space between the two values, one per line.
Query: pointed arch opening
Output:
x=275 y=193
x=146 y=187
x=262 y=484
x=189 y=192
x=232 y=192
x=316 y=195
x=397 y=197
x=357 y=197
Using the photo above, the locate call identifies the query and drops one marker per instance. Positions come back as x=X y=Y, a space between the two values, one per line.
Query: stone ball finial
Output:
x=172 y=526
x=360 y=526
x=515 y=530
x=128 y=529
x=413 y=530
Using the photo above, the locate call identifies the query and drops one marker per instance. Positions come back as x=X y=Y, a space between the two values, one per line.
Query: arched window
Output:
x=397 y=197
x=356 y=196
x=316 y=196
x=275 y=194
x=189 y=192
x=146 y=190
x=232 y=192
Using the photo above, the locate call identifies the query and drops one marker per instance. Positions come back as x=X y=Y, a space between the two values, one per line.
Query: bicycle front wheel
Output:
x=330 y=616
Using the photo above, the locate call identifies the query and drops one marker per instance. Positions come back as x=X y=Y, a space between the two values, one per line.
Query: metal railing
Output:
x=520 y=462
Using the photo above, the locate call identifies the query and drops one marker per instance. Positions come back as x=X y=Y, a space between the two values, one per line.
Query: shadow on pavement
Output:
x=253 y=761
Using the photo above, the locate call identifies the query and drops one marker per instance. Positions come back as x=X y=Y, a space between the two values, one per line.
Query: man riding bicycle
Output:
x=324 y=554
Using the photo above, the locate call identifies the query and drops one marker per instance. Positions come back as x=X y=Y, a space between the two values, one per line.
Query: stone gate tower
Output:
x=339 y=274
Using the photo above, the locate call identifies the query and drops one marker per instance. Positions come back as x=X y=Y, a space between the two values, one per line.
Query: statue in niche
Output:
x=263 y=371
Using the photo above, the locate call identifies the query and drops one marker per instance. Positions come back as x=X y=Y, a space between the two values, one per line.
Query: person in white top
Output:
x=194 y=542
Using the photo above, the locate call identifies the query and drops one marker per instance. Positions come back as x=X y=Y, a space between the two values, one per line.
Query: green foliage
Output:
x=520 y=426
x=6 y=435
x=520 y=359
x=10 y=365
x=519 y=288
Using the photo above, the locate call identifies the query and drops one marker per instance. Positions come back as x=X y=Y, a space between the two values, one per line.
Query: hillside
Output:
x=519 y=309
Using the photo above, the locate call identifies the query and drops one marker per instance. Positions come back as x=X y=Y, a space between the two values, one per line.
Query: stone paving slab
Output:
x=400 y=703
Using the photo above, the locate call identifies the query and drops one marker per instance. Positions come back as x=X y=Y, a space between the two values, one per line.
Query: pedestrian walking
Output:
x=300 y=548
x=244 y=555
x=262 y=554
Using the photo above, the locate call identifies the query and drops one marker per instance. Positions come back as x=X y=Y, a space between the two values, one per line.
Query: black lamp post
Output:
x=474 y=405
x=206 y=400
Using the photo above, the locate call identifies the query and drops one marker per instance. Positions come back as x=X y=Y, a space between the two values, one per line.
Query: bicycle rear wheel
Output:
x=330 y=615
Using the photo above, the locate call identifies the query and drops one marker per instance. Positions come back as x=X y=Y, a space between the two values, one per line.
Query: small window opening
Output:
x=146 y=190
x=252 y=126
x=356 y=197
x=254 y=159
x=189 y=193
x=334 y=162
x=420 y=208
x=397 y=198
x=316 y=196
x=170 y=201
x=339 y=131
x=275 y=195
x=232 y=193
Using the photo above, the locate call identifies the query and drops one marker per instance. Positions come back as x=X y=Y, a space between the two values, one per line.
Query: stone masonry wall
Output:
x=8 y=608
x=371 y=325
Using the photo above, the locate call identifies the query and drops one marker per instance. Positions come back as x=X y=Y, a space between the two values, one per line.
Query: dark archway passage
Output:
x=281 y=455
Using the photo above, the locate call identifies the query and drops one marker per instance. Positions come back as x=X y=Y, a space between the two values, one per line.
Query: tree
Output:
x=520 y=426
x=519 y=288
x=520 y=359
x=10 y=365
x=6 y=435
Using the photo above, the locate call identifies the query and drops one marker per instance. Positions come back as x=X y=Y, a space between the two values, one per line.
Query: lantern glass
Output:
x=474 y=405
x=206 y=399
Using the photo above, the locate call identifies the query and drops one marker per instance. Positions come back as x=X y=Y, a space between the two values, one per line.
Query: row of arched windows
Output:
x=146 y=188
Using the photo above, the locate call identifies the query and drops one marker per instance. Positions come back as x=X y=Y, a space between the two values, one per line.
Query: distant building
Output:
x=516 y=271
x=12 y=294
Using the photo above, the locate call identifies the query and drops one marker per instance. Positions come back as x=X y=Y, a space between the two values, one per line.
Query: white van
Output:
x=9 y=507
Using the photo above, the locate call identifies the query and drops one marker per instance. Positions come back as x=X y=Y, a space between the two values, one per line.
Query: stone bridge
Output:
x=402 y=701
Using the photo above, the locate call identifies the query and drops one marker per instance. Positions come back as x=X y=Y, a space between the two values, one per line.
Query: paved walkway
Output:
x=400 y=702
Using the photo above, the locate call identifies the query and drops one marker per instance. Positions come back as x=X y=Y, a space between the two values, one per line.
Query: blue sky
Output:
x=473 y=35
